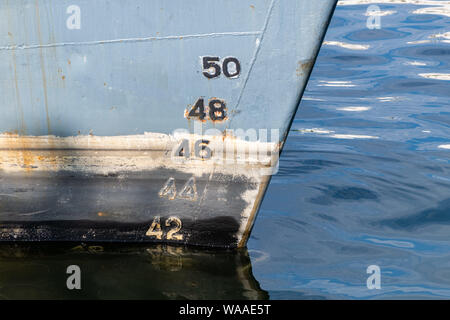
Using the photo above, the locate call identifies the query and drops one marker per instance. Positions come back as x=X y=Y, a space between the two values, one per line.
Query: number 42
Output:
x=156 y=231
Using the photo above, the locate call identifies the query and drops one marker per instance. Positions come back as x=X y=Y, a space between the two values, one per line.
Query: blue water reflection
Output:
x=365 y=175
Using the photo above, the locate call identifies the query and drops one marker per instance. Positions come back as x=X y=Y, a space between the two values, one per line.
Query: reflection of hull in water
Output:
x=152 y=272
x=93 y=98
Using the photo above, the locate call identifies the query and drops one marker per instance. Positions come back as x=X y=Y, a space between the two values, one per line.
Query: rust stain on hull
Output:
x=44 y=77
x=304 y=67
x=25 y=156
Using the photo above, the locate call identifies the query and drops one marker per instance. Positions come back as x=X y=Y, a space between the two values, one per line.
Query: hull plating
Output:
x=147 y=121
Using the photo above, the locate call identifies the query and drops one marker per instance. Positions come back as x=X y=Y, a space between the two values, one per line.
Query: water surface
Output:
x=365 y=175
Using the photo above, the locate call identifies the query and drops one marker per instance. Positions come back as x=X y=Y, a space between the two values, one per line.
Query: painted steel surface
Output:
x=93 y=94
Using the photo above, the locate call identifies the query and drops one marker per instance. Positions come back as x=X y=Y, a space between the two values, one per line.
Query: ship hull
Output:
x=147 y=121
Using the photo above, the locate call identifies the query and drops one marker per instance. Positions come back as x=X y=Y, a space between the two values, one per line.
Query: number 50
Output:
x=213 y=67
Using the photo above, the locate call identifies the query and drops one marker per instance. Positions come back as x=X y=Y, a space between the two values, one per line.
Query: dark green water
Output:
x=126 y=272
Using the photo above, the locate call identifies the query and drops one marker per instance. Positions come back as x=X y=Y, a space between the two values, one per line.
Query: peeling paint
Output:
x=123 y=155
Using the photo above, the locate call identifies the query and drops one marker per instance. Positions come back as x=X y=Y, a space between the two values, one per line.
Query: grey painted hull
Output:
x=147 y=121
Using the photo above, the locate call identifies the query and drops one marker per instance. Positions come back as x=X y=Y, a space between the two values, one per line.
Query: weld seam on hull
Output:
x=130 y=40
